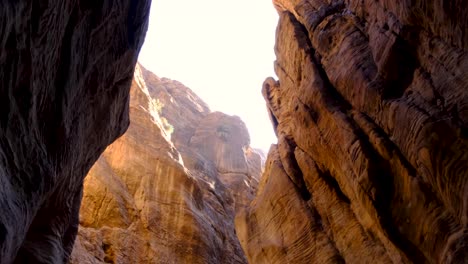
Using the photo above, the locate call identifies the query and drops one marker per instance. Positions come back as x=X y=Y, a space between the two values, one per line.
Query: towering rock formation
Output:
x=167 y=191
x=371 y=113
x=65 y=73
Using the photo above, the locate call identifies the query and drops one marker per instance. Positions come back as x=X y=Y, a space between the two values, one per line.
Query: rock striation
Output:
x=65 y=73
x=168 y=190
x=371 y=114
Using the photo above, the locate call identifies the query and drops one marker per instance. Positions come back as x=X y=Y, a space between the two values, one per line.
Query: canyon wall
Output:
x=65 y=73
x=371 y=114
x=167 y=191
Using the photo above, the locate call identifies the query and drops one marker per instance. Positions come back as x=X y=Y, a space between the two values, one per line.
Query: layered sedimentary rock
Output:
x=167 y=191
x=371 y=113
x=65 y=72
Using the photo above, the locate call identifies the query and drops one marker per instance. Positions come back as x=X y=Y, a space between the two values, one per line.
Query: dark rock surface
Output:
x=371 y=113
x=65 y=72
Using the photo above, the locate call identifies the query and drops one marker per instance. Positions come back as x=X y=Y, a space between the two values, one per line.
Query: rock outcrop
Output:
x=371 y=114
x=65 y=73
x=167 y=191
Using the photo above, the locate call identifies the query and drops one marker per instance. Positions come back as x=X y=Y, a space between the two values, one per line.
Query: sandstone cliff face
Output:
x=371 y=113
x=65 y=73
x=167 y=191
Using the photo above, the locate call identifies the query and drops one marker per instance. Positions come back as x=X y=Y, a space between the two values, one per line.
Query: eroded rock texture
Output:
x=371 y=113
x=65 y=72
x=167 y=191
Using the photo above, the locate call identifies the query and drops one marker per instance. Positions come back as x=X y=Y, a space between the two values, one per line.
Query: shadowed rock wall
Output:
x=371 y=113
x=65 y=72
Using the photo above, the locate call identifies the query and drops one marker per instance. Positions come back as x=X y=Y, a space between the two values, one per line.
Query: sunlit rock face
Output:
x=168 y=190
x=371 y=113
x=65 y=73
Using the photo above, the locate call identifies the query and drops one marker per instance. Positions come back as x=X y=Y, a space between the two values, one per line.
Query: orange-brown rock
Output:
x=65 y=73
x=166 y=191
x=371 y=113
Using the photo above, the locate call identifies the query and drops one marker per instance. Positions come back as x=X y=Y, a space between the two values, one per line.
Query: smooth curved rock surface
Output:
x=65 y=73
x=371 y=113
x=167 y=191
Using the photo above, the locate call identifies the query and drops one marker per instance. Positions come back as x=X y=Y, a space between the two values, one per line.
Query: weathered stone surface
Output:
x=167 y=191
x=65 y=73
x=224 y=140
x=371 y=113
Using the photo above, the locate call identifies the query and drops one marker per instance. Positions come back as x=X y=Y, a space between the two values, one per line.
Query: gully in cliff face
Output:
x=370 y=110
x=65 y=72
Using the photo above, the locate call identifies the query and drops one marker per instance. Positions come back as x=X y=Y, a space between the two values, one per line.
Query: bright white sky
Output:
x=222 y=50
